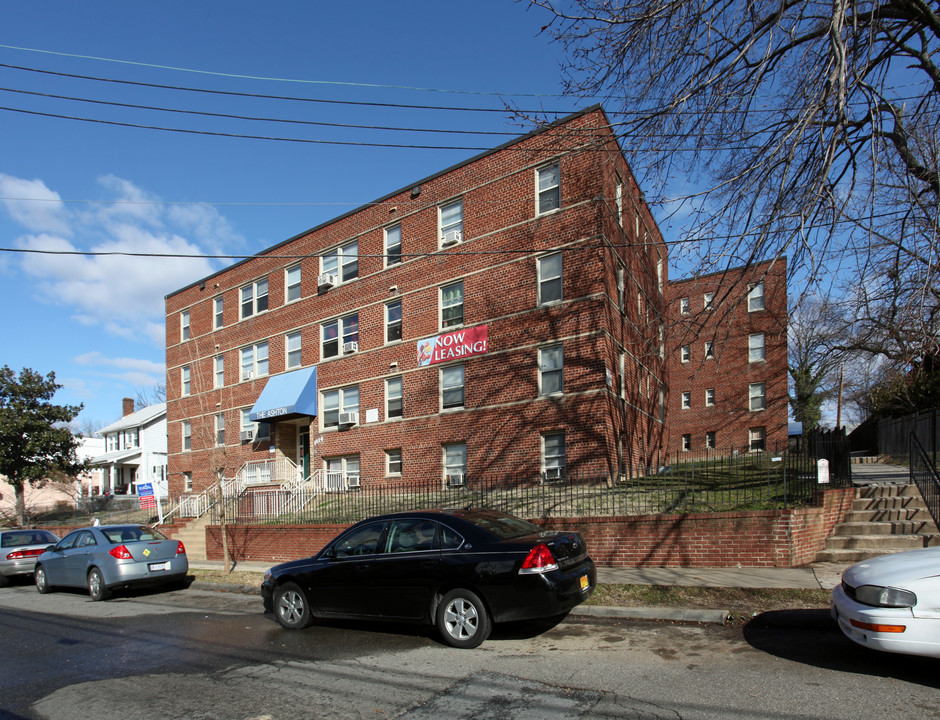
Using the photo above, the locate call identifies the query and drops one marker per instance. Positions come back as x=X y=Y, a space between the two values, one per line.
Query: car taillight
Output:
x=180 y=548
x=121 y=553
x=539 y=560
x=16 y=554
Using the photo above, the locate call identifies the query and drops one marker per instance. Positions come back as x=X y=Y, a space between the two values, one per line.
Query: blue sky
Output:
x=74 y=185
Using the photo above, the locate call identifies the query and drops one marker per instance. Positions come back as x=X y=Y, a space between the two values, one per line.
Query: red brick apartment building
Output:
x=505 y=315
x=727 y=363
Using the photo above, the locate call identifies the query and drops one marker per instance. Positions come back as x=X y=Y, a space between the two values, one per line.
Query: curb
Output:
x=627 y=613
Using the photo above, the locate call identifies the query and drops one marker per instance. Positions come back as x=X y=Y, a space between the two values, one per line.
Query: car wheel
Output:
x=4 y=581
x=42 y=580
x=96 y=586
x=462 y=619
x=291 y=607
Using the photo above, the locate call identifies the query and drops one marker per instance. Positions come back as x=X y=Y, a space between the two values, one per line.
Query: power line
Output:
x=339 y=83
x=293 y=98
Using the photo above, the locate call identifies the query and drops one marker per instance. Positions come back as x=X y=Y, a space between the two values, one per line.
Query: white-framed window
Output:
x=553 y=456
x=393 y=245
x=342 y=471
x=187 y=482
x=220 y=429
x=254 y=361
x=549 y=279
x=661 y=332
x=708 y=301
x=186 y=380
x=293 y=350
x=393 y=321
x=292 y=283
x=755 y=348
x=755 y=297
x=709 y=349
x=623 y=374
x=684 y=306
x=455 y=459
x=711 y=441
x=686 y=442
x=452 y=305
x=336 y=333
x=393 y=462
x=342 y=262
x=341 y=400
x=662 y=404
x=551 y=370
x=685 y=353
x=452 y=387
x=218 y=371
x=686 y=400
x=618 y=201
x=757 y=394
x=621 y=288
x=132 y=438
x=257 y=431
x=548 y=188
x=184 y=325
x=394 y=396
x=450 y=217
x=187 y=434
x=757 y=439
x=660 y=275
x=709 y=397
x=218 y=306
x=254 y=298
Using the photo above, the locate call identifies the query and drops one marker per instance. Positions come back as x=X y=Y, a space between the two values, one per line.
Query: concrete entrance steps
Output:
x=193 y=537
x=883 y=519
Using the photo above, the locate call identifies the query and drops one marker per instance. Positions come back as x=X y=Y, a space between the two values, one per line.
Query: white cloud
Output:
x=33 y=205
x=99 y=359
x=123 y=294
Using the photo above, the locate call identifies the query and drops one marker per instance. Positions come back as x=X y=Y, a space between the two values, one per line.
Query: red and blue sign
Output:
x=454 y=345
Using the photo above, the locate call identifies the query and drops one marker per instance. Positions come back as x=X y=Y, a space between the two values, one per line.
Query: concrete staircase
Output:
x=193 y=537
x=883 y=519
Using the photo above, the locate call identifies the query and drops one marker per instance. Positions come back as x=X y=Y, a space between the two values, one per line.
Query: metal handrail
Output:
x=924 y=475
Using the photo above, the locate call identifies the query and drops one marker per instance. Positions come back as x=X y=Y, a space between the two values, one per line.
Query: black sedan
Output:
x=460 y=570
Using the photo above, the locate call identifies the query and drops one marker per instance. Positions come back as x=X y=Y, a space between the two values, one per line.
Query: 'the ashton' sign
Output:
x=453 y=346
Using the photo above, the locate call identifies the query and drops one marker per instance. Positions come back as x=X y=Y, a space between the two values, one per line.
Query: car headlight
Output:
x=879 y=596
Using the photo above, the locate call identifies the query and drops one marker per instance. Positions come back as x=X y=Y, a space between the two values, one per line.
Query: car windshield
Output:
x=503 y=526
x=27 y=537
x=133 y=533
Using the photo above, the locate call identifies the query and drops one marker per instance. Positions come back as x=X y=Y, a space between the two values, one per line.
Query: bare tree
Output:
x=153 y=395
x=815 y=334
x=797 y=127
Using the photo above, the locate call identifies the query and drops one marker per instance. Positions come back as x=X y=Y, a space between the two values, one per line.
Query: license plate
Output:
x=154 y=567
x=585 y=583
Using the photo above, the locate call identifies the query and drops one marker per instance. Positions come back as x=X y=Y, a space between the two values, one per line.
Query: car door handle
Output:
x=361 y=568
x=429 y=564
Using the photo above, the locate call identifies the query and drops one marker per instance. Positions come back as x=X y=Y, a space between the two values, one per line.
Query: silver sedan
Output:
x=107 y=557
x=19 y=550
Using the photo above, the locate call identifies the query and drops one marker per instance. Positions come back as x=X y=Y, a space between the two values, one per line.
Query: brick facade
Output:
x=606 y=321
x=741 y=388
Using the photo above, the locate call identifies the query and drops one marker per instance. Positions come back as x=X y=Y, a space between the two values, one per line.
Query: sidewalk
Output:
x=821 y=576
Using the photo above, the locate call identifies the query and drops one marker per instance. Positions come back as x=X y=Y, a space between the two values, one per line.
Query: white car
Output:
x=892 y=603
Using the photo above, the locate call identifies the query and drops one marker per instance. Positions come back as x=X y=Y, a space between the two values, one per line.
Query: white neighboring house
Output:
x=134 y=452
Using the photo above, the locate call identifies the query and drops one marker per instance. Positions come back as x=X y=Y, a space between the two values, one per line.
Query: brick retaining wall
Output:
x=761 y=538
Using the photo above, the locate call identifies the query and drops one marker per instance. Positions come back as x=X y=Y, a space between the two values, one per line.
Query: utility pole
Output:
x=839 y=406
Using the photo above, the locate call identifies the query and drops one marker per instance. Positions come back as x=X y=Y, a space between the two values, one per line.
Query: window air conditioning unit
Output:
x=451 y=237
x=249 y=374
x=456 y=480
x=327 y=280
x=349 y=418
x=352 y=481
x=247 y=435
x=350 y=347
x=554 y=474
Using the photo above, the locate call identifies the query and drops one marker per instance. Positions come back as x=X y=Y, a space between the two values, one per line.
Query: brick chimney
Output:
x=128 y=406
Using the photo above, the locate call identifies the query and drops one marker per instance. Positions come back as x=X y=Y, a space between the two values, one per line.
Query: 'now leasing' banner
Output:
x=452 y=346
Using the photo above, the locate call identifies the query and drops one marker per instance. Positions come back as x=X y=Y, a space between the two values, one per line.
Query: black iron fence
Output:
x=924 y=474
x=710 y=482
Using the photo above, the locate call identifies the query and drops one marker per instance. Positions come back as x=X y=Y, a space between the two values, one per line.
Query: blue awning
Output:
x=287 y=396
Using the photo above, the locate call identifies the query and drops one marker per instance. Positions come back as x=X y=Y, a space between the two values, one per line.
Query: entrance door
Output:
x=303 y=451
